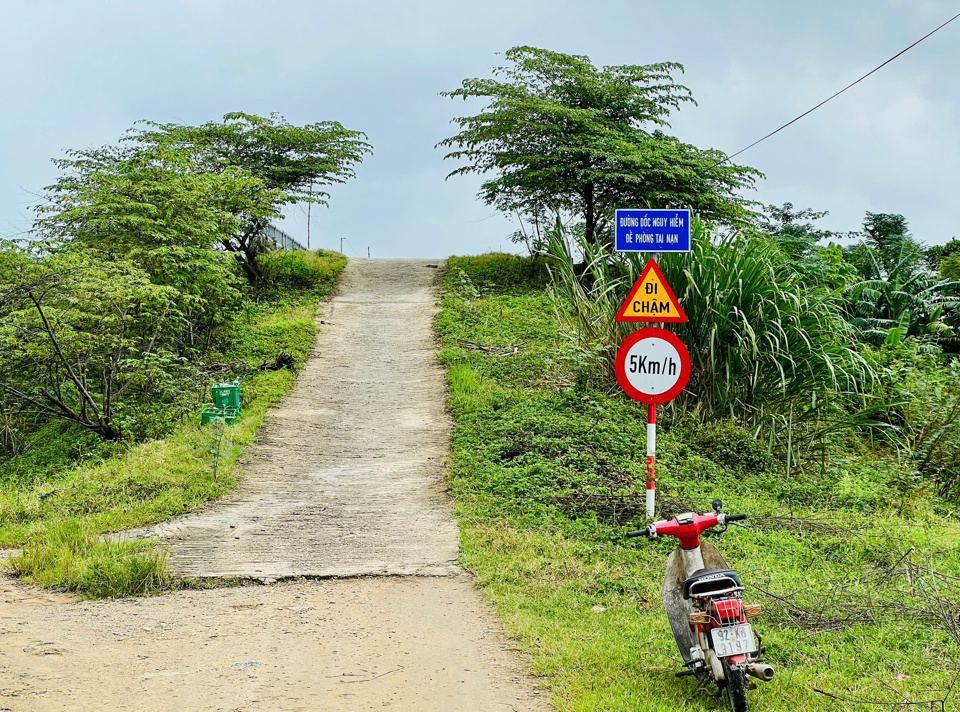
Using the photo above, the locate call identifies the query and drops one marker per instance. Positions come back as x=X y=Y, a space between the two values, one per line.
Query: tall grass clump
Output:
x=765 y=349
x=69 y=555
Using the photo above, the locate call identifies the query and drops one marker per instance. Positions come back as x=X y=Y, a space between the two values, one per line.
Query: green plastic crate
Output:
x=228 y=416
x=212 y=415
x=226 y=395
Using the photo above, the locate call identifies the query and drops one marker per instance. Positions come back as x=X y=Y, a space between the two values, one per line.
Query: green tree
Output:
x=151 y=209
x=560 y=134
x=83 y=337
x=293 y=164
x=949 y=267
x=937 y=255
x=896 y=295
x=793 y=229
x=888 y=235
x=799 y=239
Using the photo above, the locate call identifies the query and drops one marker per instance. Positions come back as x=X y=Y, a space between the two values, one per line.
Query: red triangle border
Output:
x=681 y=316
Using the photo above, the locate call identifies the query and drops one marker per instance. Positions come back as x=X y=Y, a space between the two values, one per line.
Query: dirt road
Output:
x=344 y=480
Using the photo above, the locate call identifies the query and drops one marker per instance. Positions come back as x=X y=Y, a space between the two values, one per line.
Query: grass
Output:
x=62 y=496
x=548 y=476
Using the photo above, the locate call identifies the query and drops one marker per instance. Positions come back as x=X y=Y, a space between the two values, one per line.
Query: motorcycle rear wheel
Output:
x=736 y=686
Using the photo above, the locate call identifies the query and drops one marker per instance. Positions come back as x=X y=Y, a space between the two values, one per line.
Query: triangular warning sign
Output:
x=651 y=299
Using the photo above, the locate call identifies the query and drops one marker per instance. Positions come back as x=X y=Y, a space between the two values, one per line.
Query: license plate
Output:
x=733 y=640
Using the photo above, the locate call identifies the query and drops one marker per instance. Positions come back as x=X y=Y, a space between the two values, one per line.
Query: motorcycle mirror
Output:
x=717 y=506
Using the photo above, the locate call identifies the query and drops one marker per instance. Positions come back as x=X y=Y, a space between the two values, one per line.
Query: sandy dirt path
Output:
x=344 y=480
x=400 y=644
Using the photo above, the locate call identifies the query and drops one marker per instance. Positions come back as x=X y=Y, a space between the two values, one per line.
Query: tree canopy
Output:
x=244 y=170
x=559 y=134
x=150 y=210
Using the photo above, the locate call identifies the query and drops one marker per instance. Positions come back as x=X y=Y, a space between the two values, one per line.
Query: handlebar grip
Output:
x=736 y=517
x=638 y=532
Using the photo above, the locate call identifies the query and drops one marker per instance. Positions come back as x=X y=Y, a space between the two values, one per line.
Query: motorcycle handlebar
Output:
x=670 y=528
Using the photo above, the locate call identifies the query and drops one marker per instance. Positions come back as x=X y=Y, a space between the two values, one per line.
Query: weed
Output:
x=69 y=555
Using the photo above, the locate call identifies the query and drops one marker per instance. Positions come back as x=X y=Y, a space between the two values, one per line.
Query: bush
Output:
x=731 y=447
x=301 y=270
x=501 y=273
x=84 y=337
x=924 y=390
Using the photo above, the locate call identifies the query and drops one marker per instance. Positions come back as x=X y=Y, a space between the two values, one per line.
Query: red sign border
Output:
x=681 y=316
x=621 y=363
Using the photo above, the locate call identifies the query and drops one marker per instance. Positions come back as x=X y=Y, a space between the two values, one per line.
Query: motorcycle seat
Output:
x=707 y=581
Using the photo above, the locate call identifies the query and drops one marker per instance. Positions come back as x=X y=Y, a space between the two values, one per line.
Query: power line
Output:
x=810 y=111
x=354 y=249
x=351 y=247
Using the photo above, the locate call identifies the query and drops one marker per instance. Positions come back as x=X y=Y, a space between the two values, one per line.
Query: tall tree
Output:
x=937 y=255
x=271 y=162
x=888 y=234
x=799 y=239
x=150 y=209
x=560 y=134
x=793 y=229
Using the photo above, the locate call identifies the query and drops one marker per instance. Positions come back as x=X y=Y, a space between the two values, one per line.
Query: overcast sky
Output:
x=78 y=74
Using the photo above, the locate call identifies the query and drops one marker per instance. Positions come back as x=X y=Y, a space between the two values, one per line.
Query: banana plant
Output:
x=904 y=300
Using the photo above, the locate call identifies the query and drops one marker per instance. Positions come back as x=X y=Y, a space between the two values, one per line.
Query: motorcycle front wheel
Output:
x=736 y=685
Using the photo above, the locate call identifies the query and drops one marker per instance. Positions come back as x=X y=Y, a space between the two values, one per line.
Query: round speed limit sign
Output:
x=653 y=365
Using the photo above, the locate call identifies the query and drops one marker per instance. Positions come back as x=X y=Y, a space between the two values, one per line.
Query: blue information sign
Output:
x=653 y=231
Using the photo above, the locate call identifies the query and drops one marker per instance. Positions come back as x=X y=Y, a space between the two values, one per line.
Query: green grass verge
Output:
x=548 y=475
x=78 y=489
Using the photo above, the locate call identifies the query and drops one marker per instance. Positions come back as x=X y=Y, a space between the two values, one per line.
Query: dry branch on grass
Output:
x=491 y=350
x=904 y=590
x=282 y=361
x=934 y=704
x=820 y=526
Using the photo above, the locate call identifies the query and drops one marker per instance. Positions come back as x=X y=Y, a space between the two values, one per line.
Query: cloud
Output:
x=86 y=71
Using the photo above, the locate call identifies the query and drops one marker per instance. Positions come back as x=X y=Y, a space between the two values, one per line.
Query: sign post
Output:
x=653 y=365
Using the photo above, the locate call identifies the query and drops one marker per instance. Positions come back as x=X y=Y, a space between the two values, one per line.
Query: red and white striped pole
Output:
x=651 y=459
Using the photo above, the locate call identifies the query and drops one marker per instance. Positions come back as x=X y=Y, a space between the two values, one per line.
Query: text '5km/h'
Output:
x=640 y=364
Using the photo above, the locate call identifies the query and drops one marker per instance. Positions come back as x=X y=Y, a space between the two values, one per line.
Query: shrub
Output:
x=300 y=270
x=923 y=389
x=731 y=447
x=501 y=273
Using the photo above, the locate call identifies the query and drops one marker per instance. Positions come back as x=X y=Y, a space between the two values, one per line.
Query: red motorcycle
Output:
x=703 y=598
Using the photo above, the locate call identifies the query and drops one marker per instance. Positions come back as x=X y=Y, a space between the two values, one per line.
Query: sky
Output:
x=79 y=74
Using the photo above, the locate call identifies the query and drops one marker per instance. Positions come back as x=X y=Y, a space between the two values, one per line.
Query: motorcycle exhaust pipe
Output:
x=761 y=671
